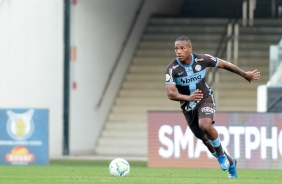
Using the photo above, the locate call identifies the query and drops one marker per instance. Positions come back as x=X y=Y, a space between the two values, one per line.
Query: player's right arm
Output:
x=172 y=94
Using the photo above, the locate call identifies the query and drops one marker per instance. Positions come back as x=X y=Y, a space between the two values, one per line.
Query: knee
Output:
x=206 y=127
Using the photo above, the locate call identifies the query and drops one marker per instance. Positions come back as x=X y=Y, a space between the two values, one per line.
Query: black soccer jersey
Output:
x=188 y=78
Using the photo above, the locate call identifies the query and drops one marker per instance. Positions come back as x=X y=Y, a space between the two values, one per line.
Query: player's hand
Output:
x=252 y=75
x=196 y=96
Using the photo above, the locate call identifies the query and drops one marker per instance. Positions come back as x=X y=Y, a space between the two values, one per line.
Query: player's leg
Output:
x=208 y=144
x=207 y=110
x=206 y=126
x=192 y=121
x=232 y=172
x=212 y=149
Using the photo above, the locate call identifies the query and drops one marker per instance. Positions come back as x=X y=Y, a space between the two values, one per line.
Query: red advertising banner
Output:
x=254 y=139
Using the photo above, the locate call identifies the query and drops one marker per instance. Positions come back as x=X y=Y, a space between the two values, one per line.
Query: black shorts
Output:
x=202 y=110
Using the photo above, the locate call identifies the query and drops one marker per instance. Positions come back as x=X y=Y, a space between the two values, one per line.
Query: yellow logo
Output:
x=20 y=126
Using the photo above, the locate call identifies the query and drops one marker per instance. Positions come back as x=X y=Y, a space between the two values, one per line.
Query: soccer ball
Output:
x=119 y=167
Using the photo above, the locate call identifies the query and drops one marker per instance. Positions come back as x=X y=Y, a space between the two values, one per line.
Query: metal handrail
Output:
x=224 y=45
x=252 y=6
x=134 y=21
x=236 y=43
x=221 y=49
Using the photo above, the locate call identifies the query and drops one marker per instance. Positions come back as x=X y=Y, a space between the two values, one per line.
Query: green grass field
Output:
x=73 y=171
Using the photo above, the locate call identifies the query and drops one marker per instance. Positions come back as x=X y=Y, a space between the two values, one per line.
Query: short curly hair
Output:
x=184 y=38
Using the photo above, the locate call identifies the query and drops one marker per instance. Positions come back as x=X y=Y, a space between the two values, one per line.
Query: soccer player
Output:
x=186 y=73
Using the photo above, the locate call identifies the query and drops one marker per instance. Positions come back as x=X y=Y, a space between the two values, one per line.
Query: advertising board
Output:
x=254 y=139
x=24 y=137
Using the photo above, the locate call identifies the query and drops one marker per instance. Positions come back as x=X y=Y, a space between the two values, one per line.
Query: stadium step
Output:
x=115 y=125
x=144 y=101
x=124 y=133
x=118 y=150
x=183 y=29
x=144 y=109
x=253 y=37
x=141 y=92
x=147 y=44
x=122 y=141
x=172 y=37
x=183 y=21
x=147 y=69
x=127 y=117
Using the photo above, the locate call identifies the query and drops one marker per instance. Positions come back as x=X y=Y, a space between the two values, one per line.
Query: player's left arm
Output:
x=248 y=75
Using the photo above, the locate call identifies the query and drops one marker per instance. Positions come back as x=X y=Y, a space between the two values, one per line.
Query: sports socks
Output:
x=217 y=145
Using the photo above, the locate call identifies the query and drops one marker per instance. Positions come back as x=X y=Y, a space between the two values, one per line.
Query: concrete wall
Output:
x=98 y=29
x=31 y=60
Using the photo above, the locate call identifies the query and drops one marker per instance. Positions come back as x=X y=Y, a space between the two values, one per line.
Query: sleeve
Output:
x=169 y=76
x=211 y=60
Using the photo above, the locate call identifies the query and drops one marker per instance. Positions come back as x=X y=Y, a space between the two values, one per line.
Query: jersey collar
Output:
x=181 y=64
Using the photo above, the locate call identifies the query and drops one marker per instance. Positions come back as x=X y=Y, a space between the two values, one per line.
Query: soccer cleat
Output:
x=232 y=170
x=223 y=162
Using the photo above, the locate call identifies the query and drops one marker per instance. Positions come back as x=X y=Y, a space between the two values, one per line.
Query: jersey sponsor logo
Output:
x=199 y=59
x=198 y=68
x=175 y=67
x=207 y=110
x=191 y=79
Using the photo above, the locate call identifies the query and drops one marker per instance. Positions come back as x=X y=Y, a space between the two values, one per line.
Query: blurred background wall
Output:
x=31 y=60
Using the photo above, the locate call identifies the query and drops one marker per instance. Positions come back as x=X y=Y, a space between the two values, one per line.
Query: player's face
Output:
x=183 y=50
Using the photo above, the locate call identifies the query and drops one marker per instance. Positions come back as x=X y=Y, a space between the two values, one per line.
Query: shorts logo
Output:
x=207 y=110
x=198 y=68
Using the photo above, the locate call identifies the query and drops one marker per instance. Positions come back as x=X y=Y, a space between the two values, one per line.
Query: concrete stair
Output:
x=235 y=93
x=143 y=89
